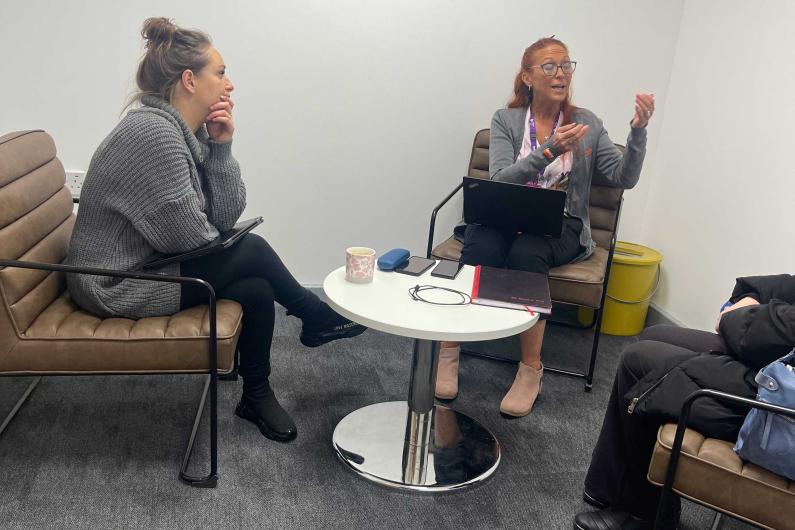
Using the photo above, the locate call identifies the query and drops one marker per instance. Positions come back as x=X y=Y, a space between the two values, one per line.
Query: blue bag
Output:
x=768 y=439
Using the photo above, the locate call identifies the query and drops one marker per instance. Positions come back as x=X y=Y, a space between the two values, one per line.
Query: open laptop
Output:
x=516 y=207
x=224 y=240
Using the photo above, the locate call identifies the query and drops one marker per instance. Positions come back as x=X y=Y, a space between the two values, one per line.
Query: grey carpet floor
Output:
x=104 y=452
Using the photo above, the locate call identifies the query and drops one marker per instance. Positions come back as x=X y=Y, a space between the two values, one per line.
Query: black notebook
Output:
x=224 y=240
x=525 y=291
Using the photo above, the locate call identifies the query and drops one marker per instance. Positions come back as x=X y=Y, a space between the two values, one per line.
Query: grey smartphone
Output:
x=447 y=269
x=415 y=266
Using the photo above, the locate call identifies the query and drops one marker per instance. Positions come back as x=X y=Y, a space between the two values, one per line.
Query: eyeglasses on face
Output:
x=550 y=69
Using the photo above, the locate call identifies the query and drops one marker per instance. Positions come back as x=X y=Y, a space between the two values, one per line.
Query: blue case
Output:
x=392 y=259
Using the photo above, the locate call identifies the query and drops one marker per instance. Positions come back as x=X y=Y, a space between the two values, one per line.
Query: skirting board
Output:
x=657 y=315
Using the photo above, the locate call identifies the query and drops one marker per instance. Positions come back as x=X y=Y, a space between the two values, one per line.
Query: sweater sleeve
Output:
x=613 y=167
x=765 y=288
x=224 y=188
x=155 y=191
x=502 y=164
x=177 y=225
x=759 y=334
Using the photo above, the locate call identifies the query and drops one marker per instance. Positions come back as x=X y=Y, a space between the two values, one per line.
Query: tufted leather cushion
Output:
x=479 y=160
x=580 y=283
x=41 y=329
x=711 y=473
x=574 y=283
x=604 y=202
x=448 y=249
x=64 y=339
x=35 y=223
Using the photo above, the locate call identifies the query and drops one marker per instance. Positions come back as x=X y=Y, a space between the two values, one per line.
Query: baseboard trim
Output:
x=658 y=315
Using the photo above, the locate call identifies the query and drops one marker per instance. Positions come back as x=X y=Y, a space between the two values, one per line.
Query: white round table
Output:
x=415 y=444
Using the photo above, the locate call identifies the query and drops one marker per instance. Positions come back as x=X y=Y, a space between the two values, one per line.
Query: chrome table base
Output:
x=414 y=444
x=459 y=452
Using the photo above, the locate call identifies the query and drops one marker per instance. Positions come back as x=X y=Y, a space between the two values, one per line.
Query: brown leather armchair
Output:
x=43 y=332
x=582 y=284
x=709 y=472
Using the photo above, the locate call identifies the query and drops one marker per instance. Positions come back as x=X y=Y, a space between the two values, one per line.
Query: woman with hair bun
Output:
x=543 y=140
x=165 y=180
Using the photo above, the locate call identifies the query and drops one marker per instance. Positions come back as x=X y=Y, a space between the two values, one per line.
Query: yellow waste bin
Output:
x=634 y=278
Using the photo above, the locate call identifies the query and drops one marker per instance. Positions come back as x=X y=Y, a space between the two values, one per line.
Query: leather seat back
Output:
x=36 y=222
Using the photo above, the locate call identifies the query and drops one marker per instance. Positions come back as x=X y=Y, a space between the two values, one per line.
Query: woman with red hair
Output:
x=541 y=139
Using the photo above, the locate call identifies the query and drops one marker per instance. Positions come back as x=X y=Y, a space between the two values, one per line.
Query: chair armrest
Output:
x=139 y=276
x=433 y=217
x=108 y=272
x=681 y=426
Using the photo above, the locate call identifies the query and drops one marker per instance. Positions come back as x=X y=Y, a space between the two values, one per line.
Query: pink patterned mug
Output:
x=359 y=264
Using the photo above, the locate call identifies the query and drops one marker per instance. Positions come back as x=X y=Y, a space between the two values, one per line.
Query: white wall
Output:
x=354 y=118
x=723 y=181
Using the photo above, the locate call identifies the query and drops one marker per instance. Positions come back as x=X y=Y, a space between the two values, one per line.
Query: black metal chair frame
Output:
x=676 y=448
x=598 y=312
x=210 y=386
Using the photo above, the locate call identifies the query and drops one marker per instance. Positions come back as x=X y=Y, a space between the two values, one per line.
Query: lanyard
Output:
x=534 y=142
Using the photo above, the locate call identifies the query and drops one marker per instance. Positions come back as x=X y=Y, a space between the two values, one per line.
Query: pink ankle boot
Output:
x=524 y=391
x=447 y=373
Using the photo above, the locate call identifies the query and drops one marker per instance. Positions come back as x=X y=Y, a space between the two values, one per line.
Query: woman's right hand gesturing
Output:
x=568 y=137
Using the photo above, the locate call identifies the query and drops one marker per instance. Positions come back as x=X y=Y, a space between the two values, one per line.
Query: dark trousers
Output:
x=620 y=460
x=250 y=273
x=492 y=247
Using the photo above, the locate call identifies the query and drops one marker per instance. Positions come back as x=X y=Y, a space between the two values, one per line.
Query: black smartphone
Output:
x=447 y=269
x=415 y=266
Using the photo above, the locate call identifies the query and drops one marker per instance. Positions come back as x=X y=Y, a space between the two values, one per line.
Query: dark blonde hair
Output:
x=170 y=50
x=522 y=94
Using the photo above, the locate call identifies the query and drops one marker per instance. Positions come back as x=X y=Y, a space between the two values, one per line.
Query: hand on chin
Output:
x=219 y=122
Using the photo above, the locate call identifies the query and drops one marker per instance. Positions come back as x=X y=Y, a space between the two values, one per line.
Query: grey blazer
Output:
x=596 y=153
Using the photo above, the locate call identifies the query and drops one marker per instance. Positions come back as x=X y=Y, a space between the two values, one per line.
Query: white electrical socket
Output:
x=74 y=181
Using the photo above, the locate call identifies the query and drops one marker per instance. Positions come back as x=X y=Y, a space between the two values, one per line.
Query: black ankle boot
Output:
x=326 y=326
x=594 y=501
x=260 y=406
x=606 y=519
x=609 y=519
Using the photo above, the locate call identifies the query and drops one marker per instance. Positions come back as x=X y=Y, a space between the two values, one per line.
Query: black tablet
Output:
x=415 y=266
x=224 y=240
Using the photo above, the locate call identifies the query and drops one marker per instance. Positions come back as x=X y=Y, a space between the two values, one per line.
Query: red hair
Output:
x=523 y=95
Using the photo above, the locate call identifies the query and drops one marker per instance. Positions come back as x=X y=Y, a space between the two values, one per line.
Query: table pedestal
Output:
x=415 y=444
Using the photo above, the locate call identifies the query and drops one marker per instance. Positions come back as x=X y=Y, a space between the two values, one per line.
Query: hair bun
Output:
x=158 y=30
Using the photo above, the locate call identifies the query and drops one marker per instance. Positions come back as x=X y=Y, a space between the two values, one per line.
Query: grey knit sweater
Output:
x=152 y=186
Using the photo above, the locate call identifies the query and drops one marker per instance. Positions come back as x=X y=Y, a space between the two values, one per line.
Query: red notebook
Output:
x=524 y=291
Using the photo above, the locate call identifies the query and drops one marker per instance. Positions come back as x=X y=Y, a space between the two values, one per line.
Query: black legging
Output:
x=491 y=247
x=250 y=273
x=620 y=460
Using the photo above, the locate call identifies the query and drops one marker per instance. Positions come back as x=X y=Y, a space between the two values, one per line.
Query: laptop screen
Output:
x=516 y=207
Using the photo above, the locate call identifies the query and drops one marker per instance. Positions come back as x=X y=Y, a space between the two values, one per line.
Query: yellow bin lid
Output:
x=633 y=254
